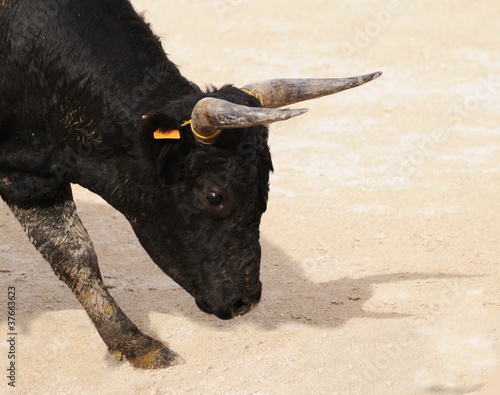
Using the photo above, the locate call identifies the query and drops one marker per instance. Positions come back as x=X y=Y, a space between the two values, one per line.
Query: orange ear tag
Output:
x=173 y=134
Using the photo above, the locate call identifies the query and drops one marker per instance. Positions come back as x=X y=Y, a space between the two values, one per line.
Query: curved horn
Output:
x=282 y=92
x=210 y=116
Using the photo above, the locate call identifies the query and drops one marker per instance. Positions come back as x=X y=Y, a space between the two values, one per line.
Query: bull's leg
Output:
x=58 y=233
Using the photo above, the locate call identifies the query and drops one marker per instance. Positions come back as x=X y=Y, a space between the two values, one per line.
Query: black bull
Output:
x=88 y=96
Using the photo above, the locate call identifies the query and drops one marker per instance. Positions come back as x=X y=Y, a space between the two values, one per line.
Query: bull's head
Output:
x=216 y=188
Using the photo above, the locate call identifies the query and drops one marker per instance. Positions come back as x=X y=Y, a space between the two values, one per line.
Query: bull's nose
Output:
x=241 y=306
x=245 y=304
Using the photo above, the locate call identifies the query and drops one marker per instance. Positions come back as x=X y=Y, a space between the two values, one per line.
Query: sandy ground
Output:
x=381 y=244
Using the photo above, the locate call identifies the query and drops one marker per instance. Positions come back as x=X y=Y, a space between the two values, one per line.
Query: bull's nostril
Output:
x=241 y=307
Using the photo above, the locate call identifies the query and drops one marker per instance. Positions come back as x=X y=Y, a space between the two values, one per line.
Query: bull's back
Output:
x=61 y=57
x=49 y=43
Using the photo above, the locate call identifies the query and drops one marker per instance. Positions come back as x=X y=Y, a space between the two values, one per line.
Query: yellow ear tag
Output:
x=173 y=134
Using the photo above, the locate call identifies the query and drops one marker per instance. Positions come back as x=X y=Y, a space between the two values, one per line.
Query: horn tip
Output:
x=287 y=113
x=296 y=112
x=363 y=79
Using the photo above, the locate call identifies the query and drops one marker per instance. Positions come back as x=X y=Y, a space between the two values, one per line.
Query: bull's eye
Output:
x=214 y=198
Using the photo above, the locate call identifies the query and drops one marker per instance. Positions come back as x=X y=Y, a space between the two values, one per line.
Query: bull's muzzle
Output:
x=236 y=308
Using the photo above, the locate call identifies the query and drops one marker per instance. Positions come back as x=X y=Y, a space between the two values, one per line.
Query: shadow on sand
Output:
x=288 y=295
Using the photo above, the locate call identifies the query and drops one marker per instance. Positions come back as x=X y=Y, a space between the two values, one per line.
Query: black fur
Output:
x=77 y=77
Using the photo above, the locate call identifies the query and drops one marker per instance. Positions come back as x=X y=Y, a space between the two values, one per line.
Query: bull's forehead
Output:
x=236 y=148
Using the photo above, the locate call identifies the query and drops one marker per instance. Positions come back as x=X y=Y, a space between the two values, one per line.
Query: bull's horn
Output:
x=210 y=116
x=283 y=92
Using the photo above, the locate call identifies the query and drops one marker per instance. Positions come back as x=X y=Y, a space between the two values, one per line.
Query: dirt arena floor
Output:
x=381 y=243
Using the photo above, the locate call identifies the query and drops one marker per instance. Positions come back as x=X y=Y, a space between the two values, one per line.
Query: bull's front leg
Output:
x=58 y=233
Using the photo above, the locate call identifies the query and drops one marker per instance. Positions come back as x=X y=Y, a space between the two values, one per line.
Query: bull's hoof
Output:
x=157 y=359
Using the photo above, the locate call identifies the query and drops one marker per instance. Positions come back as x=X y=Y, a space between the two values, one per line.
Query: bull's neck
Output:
x=111 y=161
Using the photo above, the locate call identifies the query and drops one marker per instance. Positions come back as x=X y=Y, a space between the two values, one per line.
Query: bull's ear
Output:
x=161 y=127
